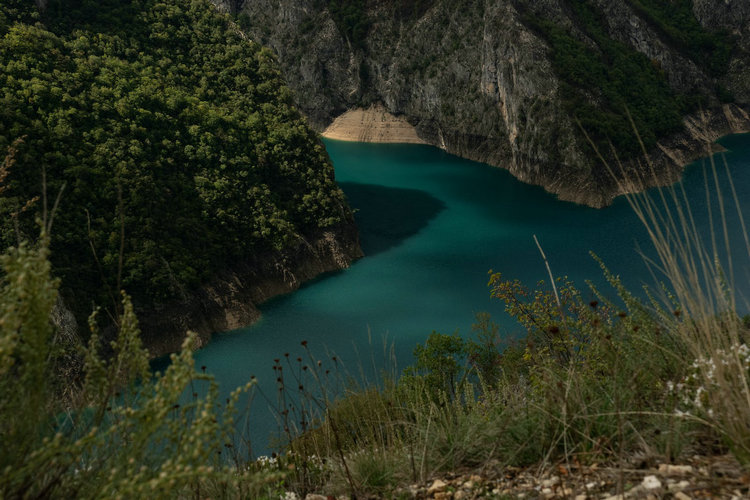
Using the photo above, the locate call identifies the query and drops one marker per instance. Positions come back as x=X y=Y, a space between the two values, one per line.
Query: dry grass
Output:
x=700 y=302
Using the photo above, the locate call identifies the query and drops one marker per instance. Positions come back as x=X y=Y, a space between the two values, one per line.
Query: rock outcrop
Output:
x=374 y=124
x=476 y=80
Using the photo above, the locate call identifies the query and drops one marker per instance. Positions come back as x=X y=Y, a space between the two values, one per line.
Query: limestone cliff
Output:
x=477 y=79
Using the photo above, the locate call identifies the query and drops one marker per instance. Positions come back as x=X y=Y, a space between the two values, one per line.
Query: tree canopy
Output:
x=167 y=126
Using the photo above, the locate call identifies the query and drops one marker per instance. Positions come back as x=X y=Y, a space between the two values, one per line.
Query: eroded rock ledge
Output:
x=374 y=124
x=231 y=299
x=671 y=155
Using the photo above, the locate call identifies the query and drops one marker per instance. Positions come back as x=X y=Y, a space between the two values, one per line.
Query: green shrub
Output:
x=129 y=434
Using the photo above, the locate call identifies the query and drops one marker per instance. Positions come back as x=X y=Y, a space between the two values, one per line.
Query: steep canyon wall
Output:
x=479 y=79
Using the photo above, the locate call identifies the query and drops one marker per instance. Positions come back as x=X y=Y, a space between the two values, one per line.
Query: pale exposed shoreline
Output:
x=372 y=125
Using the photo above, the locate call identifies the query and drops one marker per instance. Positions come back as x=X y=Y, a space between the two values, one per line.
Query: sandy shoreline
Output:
x=372 y=125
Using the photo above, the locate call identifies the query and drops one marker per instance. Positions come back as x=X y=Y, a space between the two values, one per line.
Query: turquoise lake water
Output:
x=432 y=226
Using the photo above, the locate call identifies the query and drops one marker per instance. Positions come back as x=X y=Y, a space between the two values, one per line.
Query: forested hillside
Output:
x=177 y=141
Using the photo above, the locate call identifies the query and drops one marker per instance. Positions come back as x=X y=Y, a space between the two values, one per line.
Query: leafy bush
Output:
x=351 y=19
x=439 y=363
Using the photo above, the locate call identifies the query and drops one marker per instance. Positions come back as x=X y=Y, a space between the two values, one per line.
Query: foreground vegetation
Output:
x=616 y=380
x=120 y=432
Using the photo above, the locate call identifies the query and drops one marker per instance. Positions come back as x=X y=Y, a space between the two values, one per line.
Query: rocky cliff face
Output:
x=475 y=79
x=733 y=16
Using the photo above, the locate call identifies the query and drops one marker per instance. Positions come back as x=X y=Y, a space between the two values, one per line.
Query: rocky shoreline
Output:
x=671 y=155
x=230 y=300
x=667 y=161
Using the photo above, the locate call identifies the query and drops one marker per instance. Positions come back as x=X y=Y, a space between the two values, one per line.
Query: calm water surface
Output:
x=432 y=226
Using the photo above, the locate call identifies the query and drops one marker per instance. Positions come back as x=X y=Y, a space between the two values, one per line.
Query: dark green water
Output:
x=432 y=225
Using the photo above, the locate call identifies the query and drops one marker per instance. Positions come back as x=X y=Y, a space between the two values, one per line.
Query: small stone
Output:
x=437 y=486
x=567 y=492
x=548 y=483
x=547 y=491
x=616 y=497
x=679 y=486
x=313 y=496
x=636 y=492
x=675 y=470
x=475 y=478
x=681 y=496
x=443 y=495
x=651 y=483
x=460 y=495
x=591 y=485
x=581 y=497
x=414 y=489
x=469 y=485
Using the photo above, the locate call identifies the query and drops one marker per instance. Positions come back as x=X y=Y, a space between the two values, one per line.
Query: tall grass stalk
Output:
x=699 y=306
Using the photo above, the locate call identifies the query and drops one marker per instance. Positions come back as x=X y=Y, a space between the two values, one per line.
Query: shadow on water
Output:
x=386 y=216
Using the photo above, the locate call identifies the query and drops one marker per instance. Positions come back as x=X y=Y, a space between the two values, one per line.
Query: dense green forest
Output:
x=602 y=77
x=176 y=138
